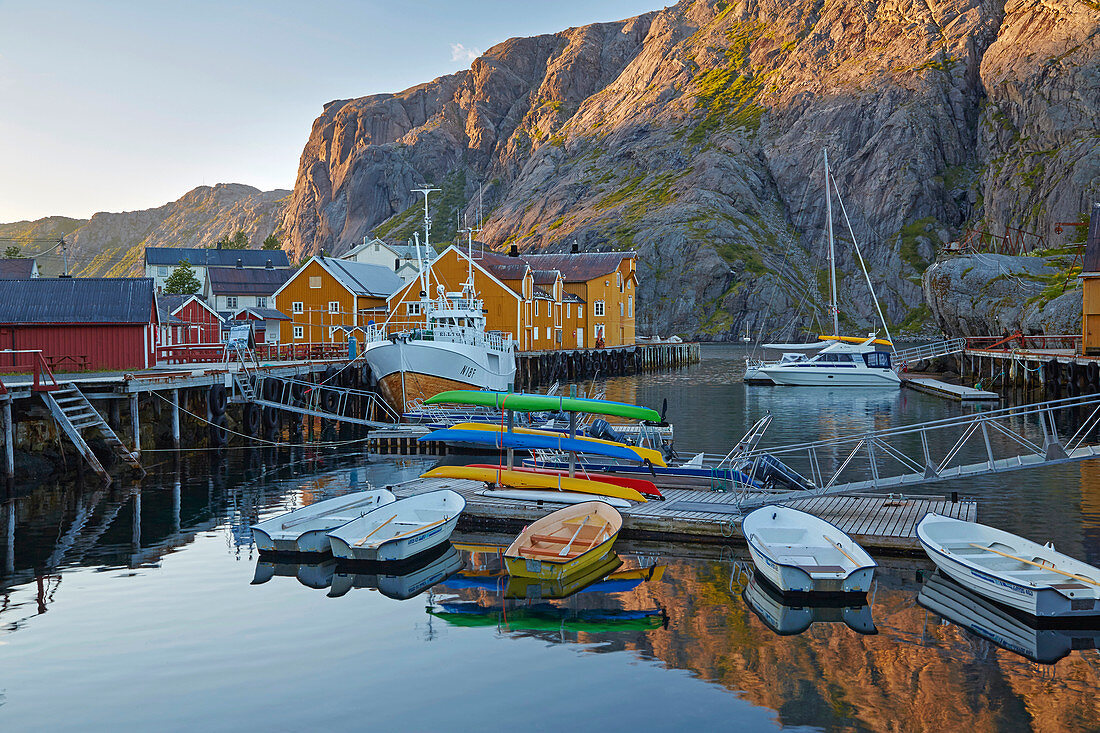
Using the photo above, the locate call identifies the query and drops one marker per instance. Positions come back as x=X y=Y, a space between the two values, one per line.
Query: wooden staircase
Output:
x=75 y=415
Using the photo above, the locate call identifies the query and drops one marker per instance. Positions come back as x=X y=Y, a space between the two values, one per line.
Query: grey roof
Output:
x=77 y=300
x=216 y=257
x=363 y=279
x=265 y=313
x=168 y=302
x=16 y=268
x=246 y=281
x=578 y=266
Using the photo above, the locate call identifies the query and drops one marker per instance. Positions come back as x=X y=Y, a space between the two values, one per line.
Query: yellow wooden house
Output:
x=1090 y=280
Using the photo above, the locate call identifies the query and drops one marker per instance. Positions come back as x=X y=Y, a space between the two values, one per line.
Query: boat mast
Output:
x=427 y=231
x=832 y=251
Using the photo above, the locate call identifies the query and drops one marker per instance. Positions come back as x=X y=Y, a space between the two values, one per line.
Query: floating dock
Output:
x=879 y=522
x=956 y=392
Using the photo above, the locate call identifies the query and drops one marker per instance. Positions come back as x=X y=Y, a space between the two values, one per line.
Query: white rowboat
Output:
x=1011 y=570
x=400 y=530
x=306 y=529
x=799 y=553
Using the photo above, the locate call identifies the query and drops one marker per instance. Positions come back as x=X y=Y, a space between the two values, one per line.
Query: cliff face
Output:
x=694 y=135
x=112 y=244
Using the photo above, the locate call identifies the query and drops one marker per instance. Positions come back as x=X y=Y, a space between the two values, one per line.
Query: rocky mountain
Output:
x=694 y=135
x=111 y=244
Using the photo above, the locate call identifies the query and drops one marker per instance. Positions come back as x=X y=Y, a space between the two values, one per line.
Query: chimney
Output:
x=574 y=249
x=240 y=263
x=269 y=266
x=513 y=251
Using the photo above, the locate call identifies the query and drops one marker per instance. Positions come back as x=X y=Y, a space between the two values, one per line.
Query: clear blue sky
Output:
x=118 y=106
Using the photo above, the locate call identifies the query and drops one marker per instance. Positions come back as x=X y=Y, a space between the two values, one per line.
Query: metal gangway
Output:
x=998 y=441
x=342 y=404
x=932 y=350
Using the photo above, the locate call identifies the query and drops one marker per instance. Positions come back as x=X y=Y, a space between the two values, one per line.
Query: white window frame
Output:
x=334 y=306
x=412 y=308
x=162 y=271
x=568 y=310
x=315 y=281
x=547 y=333
x=622 y=309
x=261 y=301
x=580 y=311
x=231 y=302
x=297 y=307
x=599 y=309
x=299 y=332
x=536 y=308
x=630 y=306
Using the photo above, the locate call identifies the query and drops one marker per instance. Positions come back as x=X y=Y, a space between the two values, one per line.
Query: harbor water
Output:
x=145 y=606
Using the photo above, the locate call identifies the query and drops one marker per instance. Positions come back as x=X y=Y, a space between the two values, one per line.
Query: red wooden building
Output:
x=187 y=319
x=80 y=323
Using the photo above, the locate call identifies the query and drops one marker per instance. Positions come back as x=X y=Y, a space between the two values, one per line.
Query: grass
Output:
x=747 y=255
x=729 y=93
x=908 y=237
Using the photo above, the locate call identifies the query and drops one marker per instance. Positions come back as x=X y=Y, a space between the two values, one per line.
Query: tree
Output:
x=182 y=280
x=12 y=252
x=272 y=242
x=237 y=241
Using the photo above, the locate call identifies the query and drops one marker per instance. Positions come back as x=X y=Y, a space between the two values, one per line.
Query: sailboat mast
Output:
x=427 y=252
x=832 y=251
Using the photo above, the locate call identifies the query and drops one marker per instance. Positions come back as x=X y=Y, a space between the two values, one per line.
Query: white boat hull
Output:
x=415 y=525
x=305 y=530
x=826 y=376
x=476 y=366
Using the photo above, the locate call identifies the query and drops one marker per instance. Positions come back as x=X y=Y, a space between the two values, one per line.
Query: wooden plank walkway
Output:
x=876 y=521
x=955 y=392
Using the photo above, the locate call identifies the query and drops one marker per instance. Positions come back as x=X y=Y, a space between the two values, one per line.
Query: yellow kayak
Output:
x=521 y=480
x=854 y=340
x=647 y=454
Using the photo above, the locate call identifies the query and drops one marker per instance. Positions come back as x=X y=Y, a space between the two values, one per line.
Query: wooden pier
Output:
x=569 y=365
x=957 y=392
x=881 y=522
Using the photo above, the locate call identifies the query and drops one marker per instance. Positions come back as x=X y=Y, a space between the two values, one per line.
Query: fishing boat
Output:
x=1021 y=574
x=406 y=582
x=800 y=553
x=522 y=480
x=1004 y=627
x=305 y=530
x=400 y=530
x=787 y=619
x=642 y=486
x=450 y=349
x=565 y=542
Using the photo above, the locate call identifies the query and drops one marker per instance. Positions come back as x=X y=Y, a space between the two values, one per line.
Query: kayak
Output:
x=638 y=484
x=543 y=403
x=533 y=442
x=522 y=480
x=648 y=454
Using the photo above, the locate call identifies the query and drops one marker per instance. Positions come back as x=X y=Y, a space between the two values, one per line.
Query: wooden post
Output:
x=176 y=419
x=9 y=441
x=135 y=425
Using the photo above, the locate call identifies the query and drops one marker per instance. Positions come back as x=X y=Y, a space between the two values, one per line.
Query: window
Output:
x=526 y=314
x=377 y=246
x=598 y=309
x=298 y=332
x=557 y=335
x=230 y=301
x=536 y=308
x=568 y=310
x=628 y=285
x=547 y=333
x=413 y=309
x=396 y=264
x=334 y=306
x=261 y=302
x=162 y=271
x=296 y=307
x=536 y=333
x=622 y=308
x=580 y=311
x=619 y=280
x=315 y=281
x=630 y=306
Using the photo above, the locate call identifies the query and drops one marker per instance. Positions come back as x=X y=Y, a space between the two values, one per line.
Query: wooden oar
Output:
x=420 y=529
x=1082 y=578
x=360 y=542
x=565 y=550
x=357 y=502
x=842 y=552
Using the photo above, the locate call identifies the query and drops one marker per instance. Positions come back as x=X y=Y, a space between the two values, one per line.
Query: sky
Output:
x=120 y=106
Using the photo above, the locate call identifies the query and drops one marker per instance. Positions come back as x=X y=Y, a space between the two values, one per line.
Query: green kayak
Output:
x=543 y=403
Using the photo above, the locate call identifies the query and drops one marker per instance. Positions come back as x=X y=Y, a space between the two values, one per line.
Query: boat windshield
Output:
x=877 y=359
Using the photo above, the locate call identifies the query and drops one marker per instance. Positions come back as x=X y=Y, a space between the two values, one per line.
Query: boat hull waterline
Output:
x=305 y=530
x=564 y=543
x=400 y=530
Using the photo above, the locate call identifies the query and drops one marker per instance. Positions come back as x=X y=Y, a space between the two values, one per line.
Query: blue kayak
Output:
x=524 y=441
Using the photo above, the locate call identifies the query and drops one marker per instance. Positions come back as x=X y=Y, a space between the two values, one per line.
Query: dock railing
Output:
x=44 y=380
x=928 y=351
x=1021 y=341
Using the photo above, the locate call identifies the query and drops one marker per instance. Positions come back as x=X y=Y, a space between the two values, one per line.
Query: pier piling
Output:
x=176 y=419
x=9 y=441
x=135 y=425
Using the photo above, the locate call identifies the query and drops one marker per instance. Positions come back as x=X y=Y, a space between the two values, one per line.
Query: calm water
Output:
x=144 y=607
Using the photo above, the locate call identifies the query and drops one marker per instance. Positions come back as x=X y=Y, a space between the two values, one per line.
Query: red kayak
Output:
x=640 y=485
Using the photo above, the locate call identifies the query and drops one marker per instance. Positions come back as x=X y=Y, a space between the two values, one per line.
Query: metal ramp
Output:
x=75 y=414
x=998 y=441
x=319 y=400
x=932 y=350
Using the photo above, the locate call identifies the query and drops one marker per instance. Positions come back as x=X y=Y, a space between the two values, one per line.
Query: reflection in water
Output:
x=311 y=575
x=787 y=617
x=400 y=582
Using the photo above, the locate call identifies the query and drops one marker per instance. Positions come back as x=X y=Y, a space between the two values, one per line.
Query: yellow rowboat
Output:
x=521 y=588
x=523 y=480
x=644 y=454
x=854 y=340
x=564 y=543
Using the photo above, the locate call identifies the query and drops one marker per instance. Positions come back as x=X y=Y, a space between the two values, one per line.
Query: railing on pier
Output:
x=322 y=400
x=44 y=380
x=932 y=350
x=1020 y=341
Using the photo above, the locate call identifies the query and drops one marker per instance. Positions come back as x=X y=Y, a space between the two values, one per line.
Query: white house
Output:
x=160 y=261
x=401 y=258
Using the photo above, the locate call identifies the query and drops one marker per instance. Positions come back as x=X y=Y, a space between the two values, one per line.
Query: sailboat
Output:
x=451 y=351
x=846 y=361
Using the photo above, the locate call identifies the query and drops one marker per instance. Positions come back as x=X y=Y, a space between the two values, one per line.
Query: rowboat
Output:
x=532 y=589
x=522 y=480
x=1005 y=627
x=785 y=619
x=642 y=486
x=554 y=497
x=403 y=583
x=644 y=454
x=565 y=542
x=547 y=617
x=306 y=530
x=619 y=581
x=400 y=530
x=311 y=575
x=524 y=441
x=543 y=403
x=799 y=553
x=1032 y=578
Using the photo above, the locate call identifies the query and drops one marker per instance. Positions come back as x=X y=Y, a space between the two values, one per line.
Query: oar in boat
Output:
x=1082 y=578
x=360 y=542
x=565 y=550
x=420 y=529
x=842 y=552
x=357 y=502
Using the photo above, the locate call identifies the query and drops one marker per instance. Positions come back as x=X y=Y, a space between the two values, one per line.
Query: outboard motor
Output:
x=602 y=430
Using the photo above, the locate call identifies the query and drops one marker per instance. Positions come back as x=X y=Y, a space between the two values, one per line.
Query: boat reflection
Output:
x=1044 y=642
x=548 y=617
x=311 y=575
x=399 y=581
x=771 y=607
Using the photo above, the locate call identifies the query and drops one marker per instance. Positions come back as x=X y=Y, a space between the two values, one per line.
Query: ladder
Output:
x=74 y=414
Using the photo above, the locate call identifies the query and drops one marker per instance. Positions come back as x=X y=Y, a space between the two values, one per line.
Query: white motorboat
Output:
x=406 y=583
x=306 y=529
x=963 y=607
x=840 y=364
x=787 y=619
x=400 y=530
x=787 y=353
x=1032 y=578
x=799 y=553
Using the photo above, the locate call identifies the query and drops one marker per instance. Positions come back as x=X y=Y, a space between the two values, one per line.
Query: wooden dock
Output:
x=880 y=522
x=956 y=392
